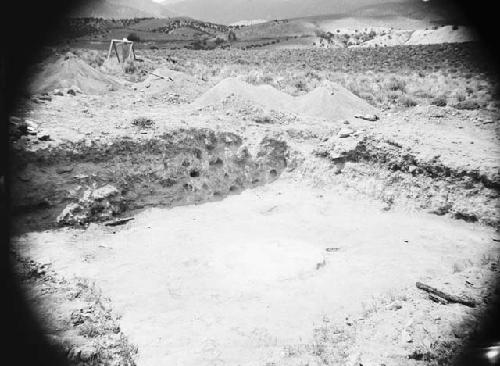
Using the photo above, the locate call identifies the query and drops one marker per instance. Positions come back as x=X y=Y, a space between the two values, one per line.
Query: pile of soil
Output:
x=70 y=72
x=334 y=102
x=262 y=95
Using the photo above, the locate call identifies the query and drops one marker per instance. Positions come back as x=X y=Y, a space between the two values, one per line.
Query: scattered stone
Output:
x=143 y=122
x=17 y=128
x=64 y=169
x=263 y=118
x=345 y=132
x=331 y=250
x=24 y=177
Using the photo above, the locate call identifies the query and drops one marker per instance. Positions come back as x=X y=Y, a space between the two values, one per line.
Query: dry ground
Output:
x=248 y=246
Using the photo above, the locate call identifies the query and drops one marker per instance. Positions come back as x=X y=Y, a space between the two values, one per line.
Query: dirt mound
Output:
x=164 y=82
x=334 y=102
x=262 y=95
x=70 y=71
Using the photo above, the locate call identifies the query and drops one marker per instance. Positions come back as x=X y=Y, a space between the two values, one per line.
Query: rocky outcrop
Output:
x=92 y=181
x=94 y=205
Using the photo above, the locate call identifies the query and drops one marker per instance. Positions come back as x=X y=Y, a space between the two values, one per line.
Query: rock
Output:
x=46 y=98
x=394 y=306
x=31 y=131
x=72 y=214
x=58 y=92
x=71 y=91
x=242 y=154
x=104 y=192
x=412 y=169
x=340 y=150
x=94 y=205
x=74 y=354
x=405 y=337
x=64 y=169
x=345 y=132
x=24 y=177
x=17 y=128
x=467 y=104
x=367 y=117
x=76 y=89
x=31 y=127
x=88 y=353
x=44 y=137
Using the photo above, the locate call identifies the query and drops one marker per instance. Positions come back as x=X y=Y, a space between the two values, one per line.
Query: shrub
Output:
x=407 y=101
x=133 y=37
x=467 y=104
x=439 y=101
x=395 y=84
x=129 y=66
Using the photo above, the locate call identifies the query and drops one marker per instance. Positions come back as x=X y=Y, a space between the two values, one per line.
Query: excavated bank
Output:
x=78 y=183
x=404 y=176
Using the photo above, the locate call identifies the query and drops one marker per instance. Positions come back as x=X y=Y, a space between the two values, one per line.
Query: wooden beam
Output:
x=116 y=51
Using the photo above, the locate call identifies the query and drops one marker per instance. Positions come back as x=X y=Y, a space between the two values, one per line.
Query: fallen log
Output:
x=159 y=76
x=118 y=221
x=438 y=299
x=448 y=297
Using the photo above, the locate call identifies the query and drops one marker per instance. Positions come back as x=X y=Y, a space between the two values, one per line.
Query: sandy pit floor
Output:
x=237 y=281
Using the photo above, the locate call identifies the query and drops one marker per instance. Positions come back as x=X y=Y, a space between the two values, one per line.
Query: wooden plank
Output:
x=448 y=297
x=110 y=48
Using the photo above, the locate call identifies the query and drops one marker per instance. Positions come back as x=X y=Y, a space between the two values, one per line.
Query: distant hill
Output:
x=437 y=11
x=121 y=9
x=233 y=11
x=227 y=12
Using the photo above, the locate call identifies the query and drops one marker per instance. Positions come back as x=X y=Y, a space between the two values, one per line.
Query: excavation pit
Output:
x=242 y=279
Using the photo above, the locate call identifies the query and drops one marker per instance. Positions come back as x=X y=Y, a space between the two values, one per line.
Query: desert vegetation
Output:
x=199 y=204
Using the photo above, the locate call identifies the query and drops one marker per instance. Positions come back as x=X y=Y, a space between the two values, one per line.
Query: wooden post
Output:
x=127 y=47
x=110 y=48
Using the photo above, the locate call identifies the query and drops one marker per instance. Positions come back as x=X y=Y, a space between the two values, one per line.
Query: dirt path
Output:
x=237 y=281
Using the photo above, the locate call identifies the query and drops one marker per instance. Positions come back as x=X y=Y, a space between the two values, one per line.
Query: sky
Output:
x=167 y=1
